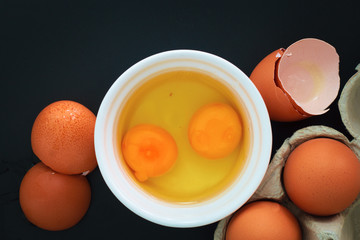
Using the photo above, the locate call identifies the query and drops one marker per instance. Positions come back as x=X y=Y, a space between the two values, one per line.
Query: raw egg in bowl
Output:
x=183 y=138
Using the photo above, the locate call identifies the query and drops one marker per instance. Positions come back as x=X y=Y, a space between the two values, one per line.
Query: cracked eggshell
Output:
x=277 y=102
x=308 y=73
x=298 y=82
x=342 y=226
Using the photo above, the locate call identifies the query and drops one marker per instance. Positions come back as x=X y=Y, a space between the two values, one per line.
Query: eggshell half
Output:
x=278 y=104
x=309 y=73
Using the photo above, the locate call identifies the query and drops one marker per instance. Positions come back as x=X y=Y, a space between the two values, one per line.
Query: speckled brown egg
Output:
x=300 y=81
x=62 y=137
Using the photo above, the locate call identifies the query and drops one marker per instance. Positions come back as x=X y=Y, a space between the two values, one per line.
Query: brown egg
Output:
x=263 y=220
x=300 y=81
x=62 y=137
x=322 y=176
x=53 y=201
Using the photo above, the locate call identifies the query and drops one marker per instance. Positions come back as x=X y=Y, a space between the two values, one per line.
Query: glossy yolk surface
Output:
x=149 y=150
x=215 y=130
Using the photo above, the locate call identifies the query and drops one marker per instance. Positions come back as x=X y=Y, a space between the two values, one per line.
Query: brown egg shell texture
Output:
x=277 y=102
x=62 y=137
x=53 y=201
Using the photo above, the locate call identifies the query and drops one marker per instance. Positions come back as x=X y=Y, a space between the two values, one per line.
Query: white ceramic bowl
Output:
x=172 y=214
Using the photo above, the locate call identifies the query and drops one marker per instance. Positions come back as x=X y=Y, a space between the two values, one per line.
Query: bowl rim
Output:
x=168 y=214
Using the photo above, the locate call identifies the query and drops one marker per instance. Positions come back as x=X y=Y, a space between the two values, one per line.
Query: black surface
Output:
x=54 y=50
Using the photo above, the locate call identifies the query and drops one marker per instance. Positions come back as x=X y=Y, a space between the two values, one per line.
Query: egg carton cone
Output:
x=349 y=105
x=342 y=226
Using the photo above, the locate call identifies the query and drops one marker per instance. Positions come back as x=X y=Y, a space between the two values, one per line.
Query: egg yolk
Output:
x=149 y=151
x=215 y=130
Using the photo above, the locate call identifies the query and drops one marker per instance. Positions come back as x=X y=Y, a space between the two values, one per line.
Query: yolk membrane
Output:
x=215 y=130
x=149 y=150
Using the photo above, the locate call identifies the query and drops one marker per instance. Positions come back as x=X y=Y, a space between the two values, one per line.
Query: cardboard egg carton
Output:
x=342 y=226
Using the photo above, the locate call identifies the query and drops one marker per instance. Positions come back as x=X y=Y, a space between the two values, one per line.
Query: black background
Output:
x=75 y=50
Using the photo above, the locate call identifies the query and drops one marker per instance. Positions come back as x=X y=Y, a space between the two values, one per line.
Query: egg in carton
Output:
x=341 y=226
